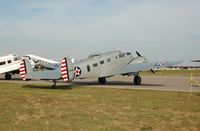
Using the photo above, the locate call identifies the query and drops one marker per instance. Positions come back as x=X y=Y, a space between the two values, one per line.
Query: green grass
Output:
x=173 y=73
x=38 y=107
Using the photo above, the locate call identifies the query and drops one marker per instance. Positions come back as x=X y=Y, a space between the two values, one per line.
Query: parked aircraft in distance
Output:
x=9 y=65
x=104 y=65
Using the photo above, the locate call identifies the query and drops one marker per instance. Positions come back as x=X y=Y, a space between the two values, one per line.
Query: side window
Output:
x=121 y=55
x=2 y=63
x=102 y=62
x=88 y=68
x=108 y=60
x=95 y=64
x=9 y=61
x=128 y=53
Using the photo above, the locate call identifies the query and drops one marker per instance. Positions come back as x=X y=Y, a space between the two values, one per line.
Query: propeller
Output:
x=138 y=54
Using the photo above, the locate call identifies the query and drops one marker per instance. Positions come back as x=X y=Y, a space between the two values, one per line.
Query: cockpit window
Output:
x=16 y=58
x=121 y=55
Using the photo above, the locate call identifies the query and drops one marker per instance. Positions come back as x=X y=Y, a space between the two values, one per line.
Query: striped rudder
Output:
x=64 y=70
x=22 y=69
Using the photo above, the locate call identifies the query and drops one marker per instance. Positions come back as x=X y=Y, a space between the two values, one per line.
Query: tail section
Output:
x=22 y=70
x=64 y=70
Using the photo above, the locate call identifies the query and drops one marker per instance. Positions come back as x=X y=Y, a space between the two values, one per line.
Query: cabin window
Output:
x=9 y=61
x=2 y=63
x=95 y=64
x=102 y=62
x=108 y=60
x=121 y=55
x=128 y=53
x=88 y=68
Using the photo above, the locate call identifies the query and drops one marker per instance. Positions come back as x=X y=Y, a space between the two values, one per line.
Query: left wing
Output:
x=132 y=68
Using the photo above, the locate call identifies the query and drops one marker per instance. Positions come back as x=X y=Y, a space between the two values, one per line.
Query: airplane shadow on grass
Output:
x=15 y=79
x=79 y=84
x=62 y=87
x=114 y=83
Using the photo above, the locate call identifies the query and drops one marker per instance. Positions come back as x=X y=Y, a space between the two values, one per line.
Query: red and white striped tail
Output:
x=22 y=70
x=64 y=70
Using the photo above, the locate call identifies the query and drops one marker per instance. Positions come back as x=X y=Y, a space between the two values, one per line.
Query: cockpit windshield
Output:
x=16 y=58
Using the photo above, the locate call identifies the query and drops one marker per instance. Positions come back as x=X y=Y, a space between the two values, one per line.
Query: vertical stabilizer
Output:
x=22 y=70
x=64 y=69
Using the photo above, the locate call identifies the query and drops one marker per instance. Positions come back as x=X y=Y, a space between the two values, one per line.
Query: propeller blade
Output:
x=195 y=60
x=152 y=71
x=138 y=53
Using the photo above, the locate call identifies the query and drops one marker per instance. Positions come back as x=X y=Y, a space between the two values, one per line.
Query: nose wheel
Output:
x=137 y=80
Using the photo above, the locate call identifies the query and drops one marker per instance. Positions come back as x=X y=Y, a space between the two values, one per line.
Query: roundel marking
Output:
x=77 y=72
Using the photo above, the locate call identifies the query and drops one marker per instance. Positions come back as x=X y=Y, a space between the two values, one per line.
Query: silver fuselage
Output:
x=103 y=65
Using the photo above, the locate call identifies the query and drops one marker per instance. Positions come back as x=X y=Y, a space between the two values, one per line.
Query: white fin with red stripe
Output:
x=64 y=70
x=22 y=70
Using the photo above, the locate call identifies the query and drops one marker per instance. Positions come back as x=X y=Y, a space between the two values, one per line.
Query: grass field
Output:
x=174 y=73
x=38 y=107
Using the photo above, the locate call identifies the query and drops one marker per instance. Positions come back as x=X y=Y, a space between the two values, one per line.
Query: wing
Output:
x=132 y=68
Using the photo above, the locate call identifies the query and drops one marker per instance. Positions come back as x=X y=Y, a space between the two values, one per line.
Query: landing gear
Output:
x=137 y=80
x=102 y=80
x=8 y=76
x=54 y=84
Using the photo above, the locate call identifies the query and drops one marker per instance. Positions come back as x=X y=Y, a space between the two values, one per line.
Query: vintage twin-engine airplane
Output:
x=100 y=65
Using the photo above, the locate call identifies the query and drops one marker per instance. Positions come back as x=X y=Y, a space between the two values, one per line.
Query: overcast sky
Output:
x=159 y=29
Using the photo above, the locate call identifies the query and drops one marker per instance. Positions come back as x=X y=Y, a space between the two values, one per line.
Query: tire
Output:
x=102 y=80
x=8 y=76
x=137 y=80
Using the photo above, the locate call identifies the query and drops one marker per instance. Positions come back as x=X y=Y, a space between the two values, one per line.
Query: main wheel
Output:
x=102 y=80
x=137 y=80
x=54 y=84
x=8 y=76
x=53 y=87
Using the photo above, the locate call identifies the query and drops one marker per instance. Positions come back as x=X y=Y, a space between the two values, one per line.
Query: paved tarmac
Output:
x=165 y=83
